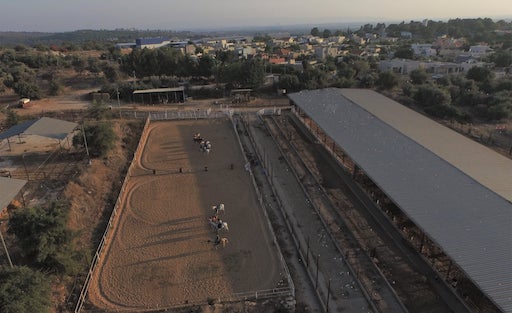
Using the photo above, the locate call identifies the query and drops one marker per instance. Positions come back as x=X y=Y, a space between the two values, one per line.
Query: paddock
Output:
x=162 y=252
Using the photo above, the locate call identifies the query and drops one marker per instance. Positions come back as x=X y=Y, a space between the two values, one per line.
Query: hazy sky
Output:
x=68 y=15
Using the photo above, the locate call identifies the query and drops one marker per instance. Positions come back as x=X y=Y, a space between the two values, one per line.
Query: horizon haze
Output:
x=63 y=16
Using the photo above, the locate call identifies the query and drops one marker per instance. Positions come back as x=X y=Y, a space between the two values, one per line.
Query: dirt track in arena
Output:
x=161 y=253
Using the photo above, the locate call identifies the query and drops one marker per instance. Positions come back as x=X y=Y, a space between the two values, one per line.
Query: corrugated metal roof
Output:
x=489 y=168
x=9 y=188
x=44 y=126
x=150 y=41
x=157 y=90
x=471 y=223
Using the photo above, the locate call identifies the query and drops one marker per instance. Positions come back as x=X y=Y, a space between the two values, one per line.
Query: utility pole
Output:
x=5 y=248
x=118 y=102
x=85 y=143
x=25 y=166
x=133 y=95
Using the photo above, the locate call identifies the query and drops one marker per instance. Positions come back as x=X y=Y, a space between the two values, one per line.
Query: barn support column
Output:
x=9 y=144
x=449 y=269
x=355 y=171
x=422 y=243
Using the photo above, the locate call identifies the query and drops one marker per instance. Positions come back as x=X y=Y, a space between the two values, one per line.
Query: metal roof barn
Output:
x=469 y=221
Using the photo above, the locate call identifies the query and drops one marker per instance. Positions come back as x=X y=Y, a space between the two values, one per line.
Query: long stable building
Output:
x=456 y=192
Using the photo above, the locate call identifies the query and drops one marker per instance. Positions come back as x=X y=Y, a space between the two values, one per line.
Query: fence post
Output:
x=317 y=257
x=307 y=254
x=328 y=296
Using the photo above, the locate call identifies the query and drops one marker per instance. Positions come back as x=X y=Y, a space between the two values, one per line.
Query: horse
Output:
x=217 y=224
x=219 y=208
x=197 y=138
x=222 y=226
x=220 y=241
x=205 y=146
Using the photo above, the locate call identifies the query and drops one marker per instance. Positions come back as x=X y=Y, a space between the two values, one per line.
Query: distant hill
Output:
x=129 y=35
x=81 y=36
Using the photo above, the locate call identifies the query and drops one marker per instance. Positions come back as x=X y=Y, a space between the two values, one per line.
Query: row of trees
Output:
x=34 y=74
x=474 y=31
x=45 y=243
x=169 y=66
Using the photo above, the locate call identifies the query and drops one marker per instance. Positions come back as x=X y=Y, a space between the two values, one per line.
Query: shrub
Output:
x=23 y=290
x=100 y=139
x=44 y=236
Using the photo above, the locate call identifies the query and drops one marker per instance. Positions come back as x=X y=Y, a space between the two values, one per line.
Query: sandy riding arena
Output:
x=162 y=253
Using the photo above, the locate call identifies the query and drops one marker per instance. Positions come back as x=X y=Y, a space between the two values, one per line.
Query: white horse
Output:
x=218 y=224
x=222 y=226
x=205 y=146
x=218 y=209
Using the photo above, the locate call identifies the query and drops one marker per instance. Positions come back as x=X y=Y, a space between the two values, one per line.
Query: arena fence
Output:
x=285 y=291
x=178 y=114
x=111 y=221
x=288 y=291
x=300 y=242
x=233 y=298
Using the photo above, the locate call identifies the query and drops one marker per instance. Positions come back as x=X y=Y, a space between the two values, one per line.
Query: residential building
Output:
x=423 y=49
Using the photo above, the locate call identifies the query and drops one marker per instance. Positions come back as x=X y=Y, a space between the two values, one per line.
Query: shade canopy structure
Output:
x=44 y=126
x=9 y=188
x=161 y=95
x=420 y=171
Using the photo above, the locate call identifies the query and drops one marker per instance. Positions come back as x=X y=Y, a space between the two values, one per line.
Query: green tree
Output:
x=206 y=66
x=100 y=139
x=404 y=53
x=418 y=76
x=428 y=95
x=55 y=87
x=315 y=32
x=12 y=118
x=27 y=89
x=23 y=290
x=44 y=236
x=387 y=80
x=23 y=81
x=289 y=82
x=93 y=65
x=111 y=72
x=479 y=74
x=253 y=72
x=502 y=58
